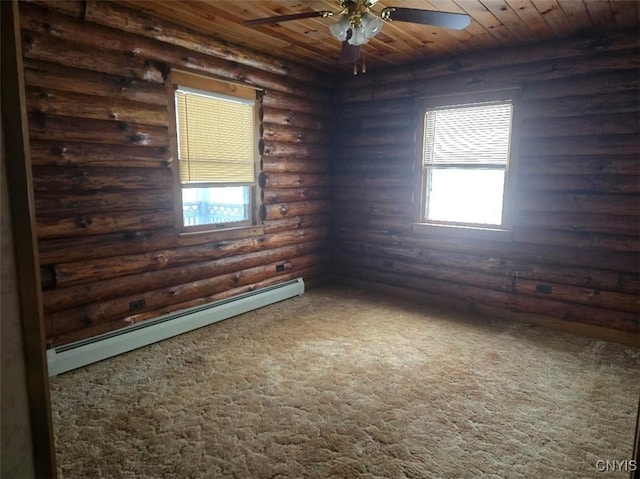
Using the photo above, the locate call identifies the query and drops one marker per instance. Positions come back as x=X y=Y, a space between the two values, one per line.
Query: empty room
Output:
x=320 y=239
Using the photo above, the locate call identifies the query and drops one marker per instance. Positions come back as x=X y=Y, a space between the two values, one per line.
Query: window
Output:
x=465 y=164
x=216 y=145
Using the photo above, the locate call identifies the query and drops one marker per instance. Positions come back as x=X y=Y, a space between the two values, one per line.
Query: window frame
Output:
x=197 y=81
x=500 y=232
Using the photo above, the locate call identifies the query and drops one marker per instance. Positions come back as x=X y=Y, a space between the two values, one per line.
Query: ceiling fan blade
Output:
x=457 y=21
x=286 y=18
x=350 y=53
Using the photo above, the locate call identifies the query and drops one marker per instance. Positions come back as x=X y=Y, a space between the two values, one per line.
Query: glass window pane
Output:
x=465 y=195
x=215 y=205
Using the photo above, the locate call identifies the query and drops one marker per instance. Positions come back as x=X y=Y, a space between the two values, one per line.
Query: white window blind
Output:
x=468 y=136
x=216 y=137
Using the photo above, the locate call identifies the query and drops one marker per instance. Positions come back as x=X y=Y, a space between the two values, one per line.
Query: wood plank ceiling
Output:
x=495 y=23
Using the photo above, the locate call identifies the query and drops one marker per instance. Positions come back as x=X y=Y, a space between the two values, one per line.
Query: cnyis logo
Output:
x=625 y=465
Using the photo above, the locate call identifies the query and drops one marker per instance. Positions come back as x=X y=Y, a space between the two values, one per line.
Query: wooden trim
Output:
x=462 y=231
x=173 y=151
x=508 y=210
x=420 y=188
x=215 y=85
x=511 y=173
x=18 y=167
x=213 y=227
x=580 y=329
x=635 y=474
x=479 y=96
x=212 y=84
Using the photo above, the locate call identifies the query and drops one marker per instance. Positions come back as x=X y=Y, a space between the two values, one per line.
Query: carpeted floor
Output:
x=340 y=383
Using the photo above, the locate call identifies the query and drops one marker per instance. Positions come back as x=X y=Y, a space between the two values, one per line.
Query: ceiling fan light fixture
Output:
x=371 y=23
x=340 y=29
x=358 y=36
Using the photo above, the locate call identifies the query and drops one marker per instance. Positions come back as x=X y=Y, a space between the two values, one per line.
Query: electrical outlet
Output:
x=279 y=268
x=136 y=305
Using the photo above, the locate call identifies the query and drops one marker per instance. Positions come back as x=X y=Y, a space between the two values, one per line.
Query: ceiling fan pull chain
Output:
x=364 y=64
x=355 y=67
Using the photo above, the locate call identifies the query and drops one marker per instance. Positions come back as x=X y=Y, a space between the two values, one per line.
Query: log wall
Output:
x=110 y=252
x=574 y=251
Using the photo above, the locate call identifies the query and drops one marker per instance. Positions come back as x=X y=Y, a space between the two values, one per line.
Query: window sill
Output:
x=491 y=234
x=223 y=234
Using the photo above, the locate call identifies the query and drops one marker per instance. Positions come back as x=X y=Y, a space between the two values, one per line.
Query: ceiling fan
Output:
x=357 y=22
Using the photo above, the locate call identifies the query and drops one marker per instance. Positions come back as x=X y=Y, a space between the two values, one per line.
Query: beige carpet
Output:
x=341 y=383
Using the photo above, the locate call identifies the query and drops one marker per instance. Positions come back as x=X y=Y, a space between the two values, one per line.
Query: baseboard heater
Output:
x=87 y=351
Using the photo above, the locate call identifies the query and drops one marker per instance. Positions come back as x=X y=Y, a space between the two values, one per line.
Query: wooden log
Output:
x=62 y=154
x=88 y=57
x=92 y=36
x=593 y=297
x=616 y=261
x=377 y=109
x=292 y=180
x=615 y=242
x=57 y=204
x=275 y=164
x=446 y=288
x=74 y=8
x=213 y=236
x=515 y=75
x=595 y=145
x=62 y=78
x=576 y=312
x=288 y=195
x=504 y=76
x=402 y=211
x=629 y=283
x=586 y=222
x=383 y=224
x=71 y=319
x=65 y=250
x=575 y=203
x=101 y=223
x=298 y=222
x=61 y=103
x=470 y=277
x=491 y=262
x=74 y=296
x=60 y=128
x=298 y=208
x=401 y=122
x=98 y=269
x=377 y=137
x=295 y=119
x=382 y=76
x=399 y=163
x=373 y=195
x=72 y=179
x=579 y=165
x=588 y=84
x=276 y=99
x=591 y=184
x=100 y=246
x=605 y=103
x=374 y=180
x=139 y=23
x=390 y=155
x=567 y=311
x=288 y=134
x=601 y=124
x=555 y=49
x=362 y=94
x=54 y=340
x=293 y=150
